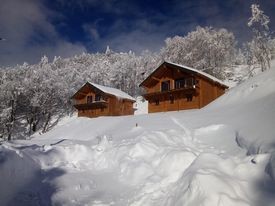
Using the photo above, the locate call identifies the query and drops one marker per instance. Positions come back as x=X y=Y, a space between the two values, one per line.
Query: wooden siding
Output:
x=205 y=91
x=180 y=102
x=111 y=105
x=93 y=112
x=209 y=91
x=220 y=91
x=83 y=100
x=167 y=75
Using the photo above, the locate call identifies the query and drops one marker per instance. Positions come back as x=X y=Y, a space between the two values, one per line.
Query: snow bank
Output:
x=270 y=168
x=17 y=172
x=249 y=109
x=220 y=155
x=212 y=180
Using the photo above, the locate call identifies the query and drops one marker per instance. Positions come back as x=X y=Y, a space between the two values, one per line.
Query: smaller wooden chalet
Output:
x=173 y=87
x=93 y=100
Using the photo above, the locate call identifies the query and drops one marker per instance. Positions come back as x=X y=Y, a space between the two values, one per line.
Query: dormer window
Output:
x=165 y=86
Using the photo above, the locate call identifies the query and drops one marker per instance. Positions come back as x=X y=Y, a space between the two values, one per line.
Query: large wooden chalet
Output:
x=93 y=100
x=173 y=87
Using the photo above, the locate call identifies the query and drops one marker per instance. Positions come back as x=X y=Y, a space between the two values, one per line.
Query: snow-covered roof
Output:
x=190 y=69
x=199 y=72
x=109 y=90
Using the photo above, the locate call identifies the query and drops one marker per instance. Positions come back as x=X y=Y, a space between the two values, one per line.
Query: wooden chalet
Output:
x=173 y=87
x=93 y=100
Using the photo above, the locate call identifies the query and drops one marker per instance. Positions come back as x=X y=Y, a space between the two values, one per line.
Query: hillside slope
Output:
x=220 y=155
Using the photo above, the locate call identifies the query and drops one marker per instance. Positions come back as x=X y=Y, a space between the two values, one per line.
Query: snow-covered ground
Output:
x=140 y=106
x=221 y=155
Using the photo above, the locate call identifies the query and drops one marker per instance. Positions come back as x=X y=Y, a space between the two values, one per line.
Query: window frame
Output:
x=98 y=97
x=166 y=82
x=89 y=99
x=190 y=82
x=178 y=83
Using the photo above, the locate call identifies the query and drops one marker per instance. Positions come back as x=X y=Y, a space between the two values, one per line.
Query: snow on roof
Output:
x=199 y=72
x=116 y=92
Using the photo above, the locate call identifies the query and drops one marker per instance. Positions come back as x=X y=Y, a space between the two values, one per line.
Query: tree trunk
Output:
x=45 y=127
x=9 y=134
x=9 y=137
x=30 y=125
x=34 y=125
x=9 y=125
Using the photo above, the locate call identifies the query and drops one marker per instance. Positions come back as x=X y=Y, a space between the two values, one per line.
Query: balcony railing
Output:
x=185 y=90
x=91 y=105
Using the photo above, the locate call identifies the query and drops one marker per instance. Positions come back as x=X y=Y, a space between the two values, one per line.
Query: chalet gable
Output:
x=162 y=69
x=93 y=100
x=174 y=87
x=103 y=90
x=84 y=90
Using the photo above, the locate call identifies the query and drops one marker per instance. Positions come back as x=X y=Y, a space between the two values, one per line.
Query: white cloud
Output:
x=29 y=34
x=91 y=31
x=139 y=35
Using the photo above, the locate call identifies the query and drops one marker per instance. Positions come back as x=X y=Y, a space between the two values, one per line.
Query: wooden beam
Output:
x=155 y=78
x=78 y=95
x=82 y=93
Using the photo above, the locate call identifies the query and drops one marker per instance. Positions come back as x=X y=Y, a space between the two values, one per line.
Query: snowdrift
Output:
x=221 y=155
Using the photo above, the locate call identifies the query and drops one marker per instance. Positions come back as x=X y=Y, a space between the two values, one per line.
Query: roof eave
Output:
x=182 y=67
x=72 y=97
x=91 y=84
x=141 y=84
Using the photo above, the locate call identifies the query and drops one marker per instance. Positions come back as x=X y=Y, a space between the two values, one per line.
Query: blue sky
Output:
x=33 y=28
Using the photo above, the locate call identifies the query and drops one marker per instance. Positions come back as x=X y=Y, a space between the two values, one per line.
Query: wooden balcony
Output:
x=185 y=90
x=92 y=105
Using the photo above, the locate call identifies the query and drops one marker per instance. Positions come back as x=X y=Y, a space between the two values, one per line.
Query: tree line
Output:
x=34 y=97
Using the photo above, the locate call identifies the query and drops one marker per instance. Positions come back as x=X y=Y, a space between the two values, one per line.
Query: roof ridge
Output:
x=113 y=91
x=198 y=71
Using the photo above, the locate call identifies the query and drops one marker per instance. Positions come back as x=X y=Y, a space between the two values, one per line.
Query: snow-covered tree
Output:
x=272 y=43
x=10 y=90
x=240 y=57
x=206 y=49
x=36 y=96
x=260 y=46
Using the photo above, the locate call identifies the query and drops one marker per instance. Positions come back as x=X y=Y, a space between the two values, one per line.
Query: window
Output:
x=157 y=101
x=190 y=82
x=171 y=97
x=189 y=97
x=89 y=99
x=165 y=86
x=97 y=97
x=179 y=83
